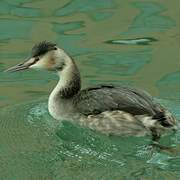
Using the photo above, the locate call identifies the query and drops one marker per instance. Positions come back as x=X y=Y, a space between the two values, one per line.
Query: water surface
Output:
x=35 y=146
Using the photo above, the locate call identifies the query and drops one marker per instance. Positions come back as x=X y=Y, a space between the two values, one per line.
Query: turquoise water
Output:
x=35 y=146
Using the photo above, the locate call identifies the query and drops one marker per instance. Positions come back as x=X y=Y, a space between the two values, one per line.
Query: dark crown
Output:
x=42 y=48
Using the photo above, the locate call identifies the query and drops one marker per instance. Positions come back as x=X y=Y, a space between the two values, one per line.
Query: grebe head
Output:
x=45 y=55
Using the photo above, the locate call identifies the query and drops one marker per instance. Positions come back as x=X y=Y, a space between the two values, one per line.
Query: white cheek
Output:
x=38 y=65
x=41 y=64
x=35 y=66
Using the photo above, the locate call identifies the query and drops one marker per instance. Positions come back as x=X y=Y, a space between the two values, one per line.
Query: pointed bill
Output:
x=21 y=66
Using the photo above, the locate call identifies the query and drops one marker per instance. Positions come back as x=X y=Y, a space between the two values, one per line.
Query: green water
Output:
x=33 y=146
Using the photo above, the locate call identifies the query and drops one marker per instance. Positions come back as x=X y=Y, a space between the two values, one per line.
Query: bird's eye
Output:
x=55 y=48
x=36 y=59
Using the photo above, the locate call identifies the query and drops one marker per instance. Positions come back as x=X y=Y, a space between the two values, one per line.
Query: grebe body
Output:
x=104 y=108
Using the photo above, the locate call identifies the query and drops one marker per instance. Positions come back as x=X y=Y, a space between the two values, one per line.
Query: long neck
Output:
x=69 y=80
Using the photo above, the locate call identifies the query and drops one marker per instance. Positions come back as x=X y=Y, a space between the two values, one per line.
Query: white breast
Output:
x=58 y=107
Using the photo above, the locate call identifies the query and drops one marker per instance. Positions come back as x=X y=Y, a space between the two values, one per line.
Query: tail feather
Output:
x=165 y=119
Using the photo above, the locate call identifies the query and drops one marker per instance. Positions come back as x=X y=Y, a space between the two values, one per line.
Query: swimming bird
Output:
x=105 y=108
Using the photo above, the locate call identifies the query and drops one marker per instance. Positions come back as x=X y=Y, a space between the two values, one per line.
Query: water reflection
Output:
x=136 y=41
x=150 y=19
x=90 y=8
x=32 y=144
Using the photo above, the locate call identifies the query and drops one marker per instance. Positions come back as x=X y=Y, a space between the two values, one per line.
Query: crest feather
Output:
x=42 y=48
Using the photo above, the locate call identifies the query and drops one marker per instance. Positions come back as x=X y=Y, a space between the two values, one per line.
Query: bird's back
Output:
x=99 y=99
x=95 y=100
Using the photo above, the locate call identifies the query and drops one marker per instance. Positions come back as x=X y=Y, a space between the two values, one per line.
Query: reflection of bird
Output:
x=105 y=108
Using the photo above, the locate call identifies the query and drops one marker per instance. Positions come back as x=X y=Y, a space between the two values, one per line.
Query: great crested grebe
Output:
x=104 y=108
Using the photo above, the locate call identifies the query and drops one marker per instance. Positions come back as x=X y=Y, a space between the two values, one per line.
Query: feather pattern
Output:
x=102 y=98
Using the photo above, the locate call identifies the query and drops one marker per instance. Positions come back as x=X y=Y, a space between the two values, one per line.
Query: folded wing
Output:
x=98 y=99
